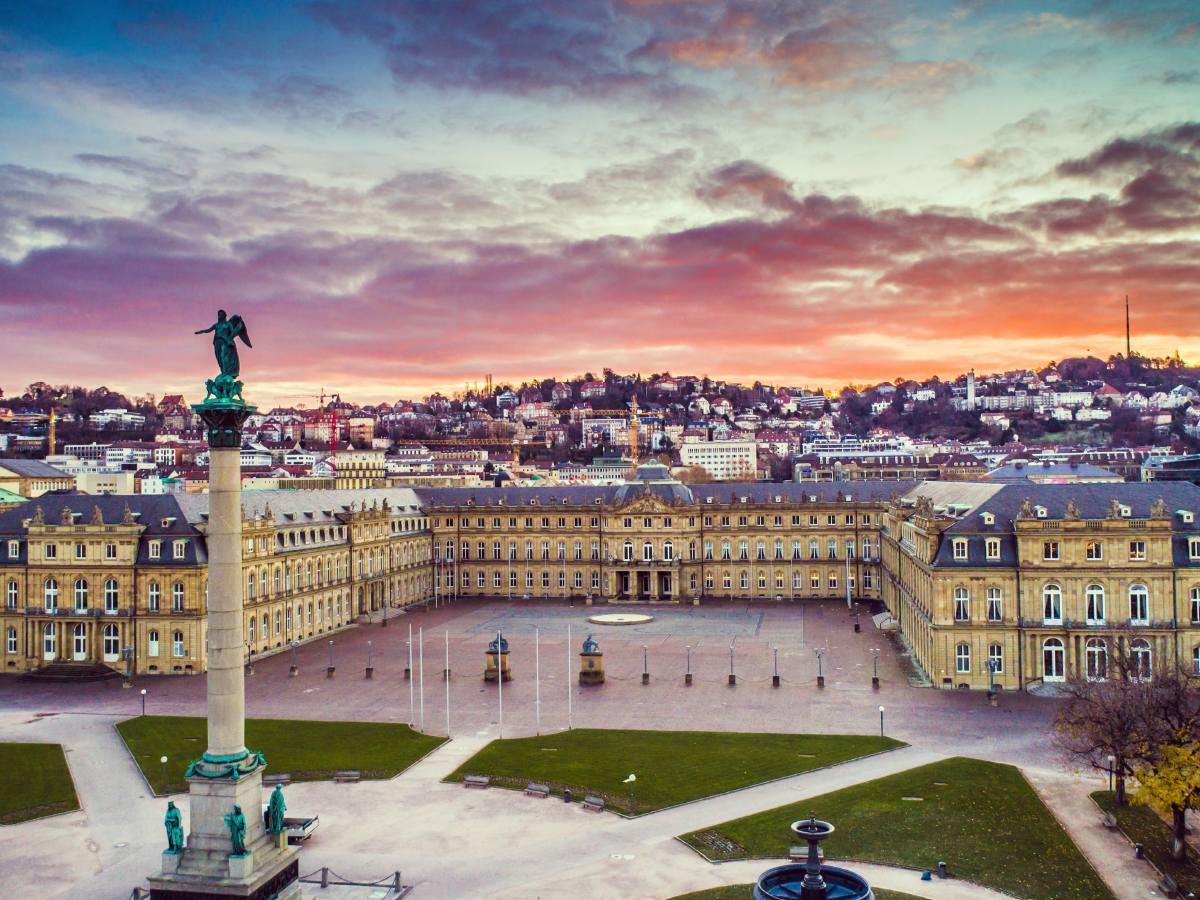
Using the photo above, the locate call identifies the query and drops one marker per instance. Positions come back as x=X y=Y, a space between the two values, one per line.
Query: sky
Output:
x=401 y=196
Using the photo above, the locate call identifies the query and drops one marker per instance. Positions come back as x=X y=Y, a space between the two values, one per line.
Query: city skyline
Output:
x=792 y=193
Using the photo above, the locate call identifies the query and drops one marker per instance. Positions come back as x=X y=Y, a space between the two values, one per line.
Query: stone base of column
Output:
x=207 y=869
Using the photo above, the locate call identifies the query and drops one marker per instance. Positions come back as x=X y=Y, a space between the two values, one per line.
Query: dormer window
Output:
x=993 y=548
x=960 y=548
x=1185 y=515
x=1041 y=511
x=1194 y=548
x=155 y=549
x=989 y=519
x=179 y=549
x=14 y=549
x=1126 y=512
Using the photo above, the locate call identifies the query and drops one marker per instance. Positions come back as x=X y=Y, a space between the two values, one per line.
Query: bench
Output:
x=1109 y=821
x=798 y=853
x=284 y=779
x=594 y=804
x=1168 y=886
x=348 y=776
x=476 y=781
x=537 y=790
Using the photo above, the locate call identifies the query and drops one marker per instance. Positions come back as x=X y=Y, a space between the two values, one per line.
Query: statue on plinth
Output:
x=275 y=810
x=591 y=663
x=236 y=823
x=174 y=826
x=225 y=331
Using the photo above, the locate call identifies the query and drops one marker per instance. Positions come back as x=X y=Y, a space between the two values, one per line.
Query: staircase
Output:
x=71 y=672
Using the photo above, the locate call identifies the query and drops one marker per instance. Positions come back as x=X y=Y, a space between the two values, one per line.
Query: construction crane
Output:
x=321 y=396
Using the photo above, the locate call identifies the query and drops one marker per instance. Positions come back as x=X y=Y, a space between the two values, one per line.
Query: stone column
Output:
x=226 y=682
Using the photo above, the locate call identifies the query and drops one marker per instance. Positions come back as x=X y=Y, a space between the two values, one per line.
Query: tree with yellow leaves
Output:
x=1172 y=784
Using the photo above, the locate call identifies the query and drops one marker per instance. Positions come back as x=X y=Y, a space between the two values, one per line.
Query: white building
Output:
x=121 y=417
x=723 y=460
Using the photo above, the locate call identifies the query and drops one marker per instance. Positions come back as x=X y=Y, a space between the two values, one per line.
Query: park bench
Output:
x=284 y=779
x=347 y=776
x=1168 y=886
x=595 y=804
x=799 y=853
x=1109 y=821
x=476 y=781
x=540 y=791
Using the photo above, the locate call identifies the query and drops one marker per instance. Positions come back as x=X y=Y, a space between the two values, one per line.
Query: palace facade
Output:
x=1031 y=582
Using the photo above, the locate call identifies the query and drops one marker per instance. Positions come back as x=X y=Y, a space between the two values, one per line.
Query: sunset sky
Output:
x=400 y=196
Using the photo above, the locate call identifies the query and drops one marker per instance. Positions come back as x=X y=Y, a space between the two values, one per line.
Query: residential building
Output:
x=722 y=460
x=32 y=478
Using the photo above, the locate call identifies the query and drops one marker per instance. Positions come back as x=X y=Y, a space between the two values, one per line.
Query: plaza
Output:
x=449 y=842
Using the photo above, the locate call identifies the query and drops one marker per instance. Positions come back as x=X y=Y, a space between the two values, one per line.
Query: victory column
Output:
x=229 y=852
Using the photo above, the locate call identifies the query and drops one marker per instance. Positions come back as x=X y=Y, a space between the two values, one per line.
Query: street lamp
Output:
x=820 y=651
x=143 y=701
x=732 y=677
x=874 y=651
x=292 y=671
x=992 y=666
x=881 y=721
x=775 y=678
x=1111 y=760
x=629 y=781
x=645 y=664
x=687 y=679
x=163 y=760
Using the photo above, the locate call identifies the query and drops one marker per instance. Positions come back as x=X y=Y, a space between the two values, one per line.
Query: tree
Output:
x=1172 y=786
x=695 y=475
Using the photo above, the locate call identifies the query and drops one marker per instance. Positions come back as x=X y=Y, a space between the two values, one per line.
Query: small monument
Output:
x=225 y=854
x=497 y=660
x=813 y=880
x=591 y=663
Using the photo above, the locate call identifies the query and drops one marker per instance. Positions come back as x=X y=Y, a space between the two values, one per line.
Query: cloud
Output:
x=1002 y=158
x=1174 y=76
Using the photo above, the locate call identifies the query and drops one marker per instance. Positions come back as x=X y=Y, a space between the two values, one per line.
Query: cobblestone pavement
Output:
x=453 y=843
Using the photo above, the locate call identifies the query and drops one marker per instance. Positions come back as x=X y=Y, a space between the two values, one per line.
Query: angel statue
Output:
x=225 y=331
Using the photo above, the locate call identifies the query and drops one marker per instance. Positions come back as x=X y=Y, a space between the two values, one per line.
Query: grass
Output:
x=742 y=892
x=309 y=751
x=672 y=767
x=36 y=782
x=982 y=818
x=1143 y=825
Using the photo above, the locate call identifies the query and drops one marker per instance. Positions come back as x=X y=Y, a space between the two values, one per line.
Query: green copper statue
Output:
x=225 y=331
x=236 y=823
x=174 y=824
x=275 y=810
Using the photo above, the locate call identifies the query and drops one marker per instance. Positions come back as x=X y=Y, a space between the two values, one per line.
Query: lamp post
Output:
x=881 y=721
x=857 y=627
x=775 y=677
x=143 y=701
x=645 y=664
x=370 y=669
x=874 y=651
x=820 y=652
x=992 y=665
x=163 y=760
x=330 y=671
x=1111 y=760
x=732 y=677
x=629 y=781
x=687 y=679
x=292 y=670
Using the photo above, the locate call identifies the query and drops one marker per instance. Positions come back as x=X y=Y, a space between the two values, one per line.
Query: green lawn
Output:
x=982 y=818
x=310 y=751
x=36 y=782
x=742 y=892
x=1143 y=825
x=671 y=766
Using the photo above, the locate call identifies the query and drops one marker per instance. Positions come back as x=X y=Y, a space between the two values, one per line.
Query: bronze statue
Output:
x=590 y=646
x=275 y=810
x=236 y=823
x=224 y=332
x=226 y=387
x=174 y=825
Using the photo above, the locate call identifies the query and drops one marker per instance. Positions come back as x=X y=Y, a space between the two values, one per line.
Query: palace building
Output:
x=1034 y=582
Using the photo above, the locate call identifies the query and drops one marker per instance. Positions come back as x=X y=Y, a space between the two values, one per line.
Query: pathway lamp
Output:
x=370 y=670
x=163 y=760
x=687 y=679
x=820 y=652
x=775 y=677
x=629 y=781
x=330 y=671
x=857 y=627
x=881 y=721
x=732 y=677
x=992 y=665
x=292 y=670
x=143 y=701
x=875 y=678
x=645 y=664
x=1111 y=759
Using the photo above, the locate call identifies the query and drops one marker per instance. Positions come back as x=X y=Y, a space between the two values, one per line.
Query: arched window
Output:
x=762 y=579
x=1096 y=653
x=177 y=597
x=1095 y=604
x=668 y=551
x=152 y=640
x=79 y=642
x=962 y=659
x=1052 y=604
x=962 y=605
x=996 y=658
x=12 y=640
x=49 y=641
x=112 y=644
x=1053 y=662
x=778 y=549
x=760 y=550
x=744 y=582
x=51 y=594
x=178 y=643
x=277 y=623
x=647 y=551
x=1194 y=605
x=1139 y=605
x=250 y=585
x=1195 y=657
x=627 y=551
x=252 y=629
x=266 y=632
x=1139 y=659
x=308 y=580
x=81 y=593
x=154 y=597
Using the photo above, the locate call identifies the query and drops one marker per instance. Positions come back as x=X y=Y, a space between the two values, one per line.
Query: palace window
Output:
x=962 y=659
x=152 y=640
x=814 y=580
x=726 y=583
x=1095 y=550
x=779 y=549
x=745 y=581
x=1096 y=659
x=708 y=581
x=992 y=546
x=178 y=643
x=12 y=640
x=996 y=658
x=110 y=596
x=14 y=594
x=960 y=548
x=51 y=551
x=1193 y=548
x=832 y=549
x=1094 y=596
x=1194 y=602
x=867 y=580
x=627 y=551
x=81 y=593
x=1139 y=658
x=155 y=549
x=1050 y=550
x=51 y=594
x=743 y=550
x=81 y=551
x=1139 y=605
x=179 y=549
x=668 y=551
x=481 y=580
x=1137 y=550
x=760 y=550
x=647 y=551
x=1052 y=605
x=562 y=550
x=833 y=580
x=545 y=580
x=579 y=549
x=153 y=597
x=1053 y=660
x=962 y=605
